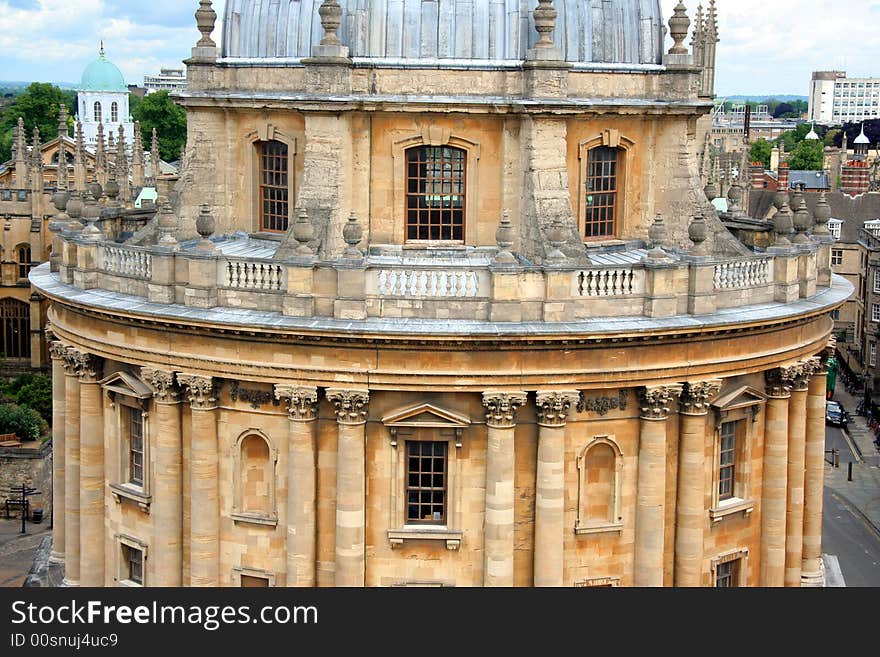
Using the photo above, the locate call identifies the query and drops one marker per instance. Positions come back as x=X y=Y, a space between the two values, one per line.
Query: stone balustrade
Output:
x=128 y=261
x=612 y=282
x=430 y=284
x=738 y=274
x=252 y=275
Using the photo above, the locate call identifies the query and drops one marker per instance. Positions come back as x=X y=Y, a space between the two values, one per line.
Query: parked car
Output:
x=835 y=415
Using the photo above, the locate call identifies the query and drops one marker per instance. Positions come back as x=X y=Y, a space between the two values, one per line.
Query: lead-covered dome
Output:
x=588 y=31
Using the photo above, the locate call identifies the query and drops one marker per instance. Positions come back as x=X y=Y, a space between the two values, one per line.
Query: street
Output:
x=845 y=532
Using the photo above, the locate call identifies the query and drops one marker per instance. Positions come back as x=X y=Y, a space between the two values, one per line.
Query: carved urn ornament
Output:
x=353 y=233
x=504 y=241
x=331 y=17
x=783 y=224
x=75 y=209
x=92 y=212
x=545 y=22
x=658 y=236
x=555 y=234
x=96 y=190
x=822 y=216
x=206 y=17
x=60 y=200
x=802 y=220
x=698 y=232
x=112 y=191
x=205 y=227
x=678 y=29
x=303 y=232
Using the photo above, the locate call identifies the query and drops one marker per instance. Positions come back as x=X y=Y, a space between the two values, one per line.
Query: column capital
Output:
x=201 y=391
x=302 y=401
x=162 y=383
x=554 y=407
x=57 y=350
x=781 y=381
x=351 y=406
x=85 y=366
x=656 y=401
x=697 y=395
x=501 y=408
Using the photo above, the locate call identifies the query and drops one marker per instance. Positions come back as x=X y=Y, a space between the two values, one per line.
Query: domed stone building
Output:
x=440 y=301
x=102 y=100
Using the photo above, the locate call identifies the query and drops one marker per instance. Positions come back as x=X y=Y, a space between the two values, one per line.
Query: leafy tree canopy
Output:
x=167 y=117
x=38 y=106
x=760 y=152
x=808 y=156
x=853 y=130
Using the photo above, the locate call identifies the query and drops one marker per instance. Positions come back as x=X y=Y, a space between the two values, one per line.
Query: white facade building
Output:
x=836 y=99
x=169 y=79
x=102 y=99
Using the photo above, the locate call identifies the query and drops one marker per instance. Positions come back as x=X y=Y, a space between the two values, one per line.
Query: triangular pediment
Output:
x=126 y=384
x=425 y=415
x=744 y=397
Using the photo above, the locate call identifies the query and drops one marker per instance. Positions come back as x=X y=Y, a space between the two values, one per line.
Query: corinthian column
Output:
x=71 y=468
x=553 y=410
x=57 y=349
x=91 y=449
x=812 y=571
x=690 y=508
x=204 y=497
x=302 y=410
x=501 y=409
x=351 y=416
x=797 y=451
x=774 y=487
x=167 y=511
x=651 y=495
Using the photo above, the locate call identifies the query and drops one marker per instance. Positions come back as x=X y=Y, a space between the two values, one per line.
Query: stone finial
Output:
x=137 y=157
x=20 y=140
x=331 y=17
x=783 y=222
x=712 y=23
x=92 y=212
x=36 y=150
x=698 y=232
x=62 y=120
x=555 y=235
x=62 y=148
x=303 y=233
x=353 y=234
x=79 y=159
x=154 y=157
x=75 y=211
x=822 y=216
x=658 y=236
x=504 y=241
x=545 y=23
x=205 y=226
x=121 y=164
x=679 y=24
x=167 y=224
x=206 y=18
x=802 y=220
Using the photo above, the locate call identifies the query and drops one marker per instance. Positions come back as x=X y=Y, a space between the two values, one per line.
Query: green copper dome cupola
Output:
x=103 y=75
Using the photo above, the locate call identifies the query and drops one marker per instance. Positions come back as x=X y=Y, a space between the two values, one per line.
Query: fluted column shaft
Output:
x=167 y=509
x=302 y=408
x=351 y=415
x=71 y=473
x=651 y=494
x=794 y=510
x=811 y=567
x=691 y=501
x=58 y=448
x=204 y=497
x=553 y=410
x=91 y=477
x=500 y=494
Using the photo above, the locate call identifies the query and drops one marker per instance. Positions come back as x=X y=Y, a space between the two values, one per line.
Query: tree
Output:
x=168 y=118
x=834 y=135
x=783 y=110
x=808 y=156
x=38 y=106
x=794 y=137
x=23 y=422
x=853 y=130
x=760 y=152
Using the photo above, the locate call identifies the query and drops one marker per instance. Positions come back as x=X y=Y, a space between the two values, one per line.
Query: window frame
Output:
x=15 y=317
x=877 y=281
x=741 y=407
x=238 y=571
x=125 y=543
x=25 y=265
x=836 y=257
x=740 y=557
x=114 y=112
x=610 y=138
x=98 y=112
x=262 y=133
x=263 y=187
x=420 y=489
x=875 y=312
x=239 y=513
x=457 y=159
x=584 y=525
x=872 y=354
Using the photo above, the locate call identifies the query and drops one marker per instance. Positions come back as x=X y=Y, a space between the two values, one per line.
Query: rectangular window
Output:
x=135 y=446
x=873 y=355
x=600 y=220
x=133 y=564
x=727 y=470
x=875 y=312
x=877 y=281
x=426 y=482
x=435 y=194
x=727 y=575
x=251 y=582
x=274 y=190
x=835 y=315
x=836 y=257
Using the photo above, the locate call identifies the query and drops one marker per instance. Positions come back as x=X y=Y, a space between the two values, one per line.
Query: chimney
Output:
x=856 y=178
x=756 y=170
x=783 y=177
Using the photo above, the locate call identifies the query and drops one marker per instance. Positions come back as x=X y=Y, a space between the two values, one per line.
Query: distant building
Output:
x=822 y=95
x=836 y=99
x=102 y=100
x=169 y=79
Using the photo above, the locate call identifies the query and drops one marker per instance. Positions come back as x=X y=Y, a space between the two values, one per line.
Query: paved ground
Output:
x=17 y=550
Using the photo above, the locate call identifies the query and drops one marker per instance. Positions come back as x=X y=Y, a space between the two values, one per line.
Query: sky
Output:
x=767 y=46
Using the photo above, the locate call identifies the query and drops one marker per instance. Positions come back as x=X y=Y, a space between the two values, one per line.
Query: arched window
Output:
x=600 y=466
x=436 y=180
x=274 y=186
x=255 y=459
x=16 y=319
x=602 y=193
x=23 y=251
x=98 y=113
x=114 y=112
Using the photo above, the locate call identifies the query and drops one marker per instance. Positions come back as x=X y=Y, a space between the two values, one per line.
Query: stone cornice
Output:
x=696 y=396
x=201 y=391
x=351 y=406
x=554 y=407
x=302 y=401
x=162 y=383
x=501 y=408
x=655 y=402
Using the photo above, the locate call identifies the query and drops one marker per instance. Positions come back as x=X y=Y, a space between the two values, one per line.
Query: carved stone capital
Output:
x=57 y=350
x=655 y=403
x=351 y=406
x=162 y=383
x=780 y=381
x=201 y=391
x=803 y=372
x=302 y=401
x=49 y=333
x=501 y=408
x=554 y=407
x=86 y=367
x=696 y=396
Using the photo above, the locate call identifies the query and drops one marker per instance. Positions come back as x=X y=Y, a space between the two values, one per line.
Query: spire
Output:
x=122 y=167
x=79 y=161
x=20 y=154
x=100 y=158
x=155 y=169
x=62 y=148
x=101 y=51
x=36 y=163
x=137 y=157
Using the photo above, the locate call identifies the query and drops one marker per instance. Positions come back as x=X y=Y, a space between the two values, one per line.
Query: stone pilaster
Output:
x=501 y=409
x=651 y=495
x=71 y=469
x=302 y=410
x=812 y=569
x=352 y=407
x=167 y=511
x=91 y=426
x=690 y=510
x=774 y=496
x=204 y=496
x=57 y=350
x=797 y=451
x=553 y=411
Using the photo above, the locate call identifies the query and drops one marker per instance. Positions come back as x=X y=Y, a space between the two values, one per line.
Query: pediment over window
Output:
x=123 y=383
x=426 y=415
x=744 y=397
